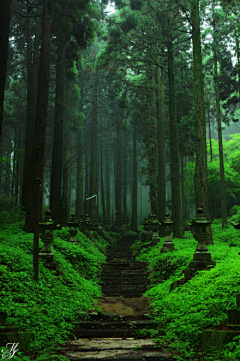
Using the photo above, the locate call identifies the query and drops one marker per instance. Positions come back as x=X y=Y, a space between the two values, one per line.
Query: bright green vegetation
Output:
x=203 y=301
x=47 y=309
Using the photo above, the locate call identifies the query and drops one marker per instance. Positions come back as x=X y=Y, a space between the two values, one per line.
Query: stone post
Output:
x=167 y=225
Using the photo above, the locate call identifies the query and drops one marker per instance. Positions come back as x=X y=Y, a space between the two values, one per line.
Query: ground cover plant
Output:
x=46 y=309
x=203 y=301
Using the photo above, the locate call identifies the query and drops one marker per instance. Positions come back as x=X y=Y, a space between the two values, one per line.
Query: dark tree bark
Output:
x=94 y=157
x=118 y=168
x=102 y=182
x=80 y=199
x=219 y=126
x=161 y=161
x=134 y=182
x=66 y=188
x=57 y=157
x=32 y=91
x=5 y=18
x=151 y=159
x=200 y=178
x=174 y=150
x=125 y=175
x=107 y=186
x=39 y=144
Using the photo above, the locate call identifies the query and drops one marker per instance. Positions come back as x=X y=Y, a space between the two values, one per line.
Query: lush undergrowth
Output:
x=46 y=309
x=202 y=302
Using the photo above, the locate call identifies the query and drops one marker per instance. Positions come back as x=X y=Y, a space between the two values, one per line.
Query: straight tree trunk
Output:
x=39 y=144
x=32 y=91
x=94 y=158
x=118 y=169
x=102 y=182
x=5 y=18
x=66 y=189
x=107 y=187
x=220 y=142
x=57 y=157
x=134 y=183
x=200 y=177
x=174 y=150
x=125 y=175
x=80 y=199
x=161 y=162
x=151 y=157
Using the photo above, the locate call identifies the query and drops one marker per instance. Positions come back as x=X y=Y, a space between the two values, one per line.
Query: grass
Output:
x=47 y=309
x=203 y=301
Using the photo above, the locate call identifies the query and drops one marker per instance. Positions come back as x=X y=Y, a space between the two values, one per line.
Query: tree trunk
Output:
x=94 y=158
x=125 y=175
x=57 y=156
x=80 y=199
x=32 y=91
x=5 y=18
x=200 y=177
x=174 y=150
x=107 y=187
x=161 y=163
x=220 y=143
x=102 y=182
x=118 y=169
x=134 y=182
x=39 y=144
x=152 y=181
x=65 y=214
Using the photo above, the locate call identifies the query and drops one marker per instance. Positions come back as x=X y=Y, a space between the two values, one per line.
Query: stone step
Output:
x=126 y=294
x=124 y=264
x=115 y=349
x=118 y=282
x=102 y=324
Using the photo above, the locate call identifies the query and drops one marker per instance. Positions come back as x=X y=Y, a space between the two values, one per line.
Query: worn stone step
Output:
x=126 y=294
x=115 y=349
x=90 y=325
x=117 y=282
x=123 y=265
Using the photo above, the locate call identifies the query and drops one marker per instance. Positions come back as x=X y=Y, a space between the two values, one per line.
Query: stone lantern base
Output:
x=73 y=233
x=167 y=245
x=201 y=262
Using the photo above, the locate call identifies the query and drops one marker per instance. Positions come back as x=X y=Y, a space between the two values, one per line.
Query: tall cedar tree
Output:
x=200 y=177
x=39 y=143
x=5 y=18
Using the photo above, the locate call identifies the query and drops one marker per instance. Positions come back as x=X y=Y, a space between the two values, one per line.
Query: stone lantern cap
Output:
x=47 y=225
x=167 y=222
x=73 y=222
x=236 y=225
x=200 y=220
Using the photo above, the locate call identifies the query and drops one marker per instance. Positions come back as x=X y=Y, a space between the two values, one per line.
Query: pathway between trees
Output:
x=114 y=333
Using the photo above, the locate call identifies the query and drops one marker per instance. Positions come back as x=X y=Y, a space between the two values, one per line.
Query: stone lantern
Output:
x=167 y=226
x=99 y=228
x=236 y=225
x=145 y=235
x=73 y=224
x=127 y=222
x=202 y=257
x=154 y=227
x=46 y=228
x=116 y=225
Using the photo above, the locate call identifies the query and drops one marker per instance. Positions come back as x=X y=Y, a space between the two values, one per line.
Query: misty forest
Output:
x=120 y=180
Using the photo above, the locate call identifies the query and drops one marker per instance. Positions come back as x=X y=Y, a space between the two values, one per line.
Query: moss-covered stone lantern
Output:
x=202 y=257
x=167 y=228
x=154 y=227
x=46 y=228
x=73 y=224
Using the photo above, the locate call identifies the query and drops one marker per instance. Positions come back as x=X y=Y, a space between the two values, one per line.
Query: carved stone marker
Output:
x=202 y=257
x=73 y=224
x=167 y=225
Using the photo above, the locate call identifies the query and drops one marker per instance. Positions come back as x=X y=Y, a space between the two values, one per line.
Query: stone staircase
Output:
x=122 y=276
x=119 y=330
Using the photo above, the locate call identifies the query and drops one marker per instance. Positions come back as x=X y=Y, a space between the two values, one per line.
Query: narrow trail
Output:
x=115 y=332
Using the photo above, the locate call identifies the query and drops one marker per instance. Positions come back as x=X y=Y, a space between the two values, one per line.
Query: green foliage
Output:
x=44 y=309
x=203 y=301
